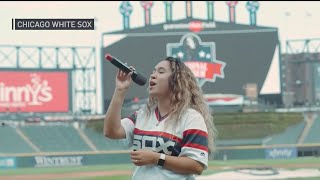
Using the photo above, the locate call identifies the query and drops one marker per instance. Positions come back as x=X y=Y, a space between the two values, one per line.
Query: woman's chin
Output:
x=152 y=92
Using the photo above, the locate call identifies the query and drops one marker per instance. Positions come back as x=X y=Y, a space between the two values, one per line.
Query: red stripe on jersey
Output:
x=197 y=146
x=195 y=131
x=131 y=120
x=158 y=133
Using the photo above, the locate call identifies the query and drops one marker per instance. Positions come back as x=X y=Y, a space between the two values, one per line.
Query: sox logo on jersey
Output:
x=140 y=142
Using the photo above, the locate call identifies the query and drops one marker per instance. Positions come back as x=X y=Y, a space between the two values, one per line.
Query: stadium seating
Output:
x=55 y=138
x=289 y=136
x=314 y=133
x=65 y=138
x=101 y=142
x=11 y=142
x=239 y=142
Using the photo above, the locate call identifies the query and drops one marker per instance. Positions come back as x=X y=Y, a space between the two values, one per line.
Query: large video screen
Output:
x=247 y=56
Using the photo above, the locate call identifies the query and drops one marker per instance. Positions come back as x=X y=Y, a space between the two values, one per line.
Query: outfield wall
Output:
x=60 y=160
x=281 y=151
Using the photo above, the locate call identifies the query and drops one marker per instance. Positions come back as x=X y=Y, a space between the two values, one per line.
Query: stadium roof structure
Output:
x=219 y=26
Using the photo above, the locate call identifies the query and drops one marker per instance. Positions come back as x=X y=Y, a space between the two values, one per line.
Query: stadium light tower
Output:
x=168 y=10
x=252 y=7
x=232 y=10
x=210 y=10
x=126 y=10
x=189 y=9
x=147 y=5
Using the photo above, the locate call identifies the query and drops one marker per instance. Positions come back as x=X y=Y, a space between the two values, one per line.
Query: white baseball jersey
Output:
x=189 y=138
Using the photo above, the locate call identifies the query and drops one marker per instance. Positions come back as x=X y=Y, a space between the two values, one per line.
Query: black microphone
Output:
x=138 y=78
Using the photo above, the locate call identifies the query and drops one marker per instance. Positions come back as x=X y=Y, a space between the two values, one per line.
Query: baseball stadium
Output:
x=268 y=123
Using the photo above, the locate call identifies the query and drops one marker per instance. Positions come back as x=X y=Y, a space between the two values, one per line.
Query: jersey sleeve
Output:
x=195 y=138
x=128 y=124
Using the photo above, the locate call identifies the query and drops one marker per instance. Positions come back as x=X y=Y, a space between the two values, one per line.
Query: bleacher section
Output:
x=314 y=133
x=55 y=138
x=11 y=142
x=290 y=136
x=239 y=142
x=66 y=138
x=101 y=142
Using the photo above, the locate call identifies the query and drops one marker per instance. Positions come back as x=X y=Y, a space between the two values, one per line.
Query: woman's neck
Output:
x=163 y=106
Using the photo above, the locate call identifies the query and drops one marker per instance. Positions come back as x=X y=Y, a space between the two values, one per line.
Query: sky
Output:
x=294 y=20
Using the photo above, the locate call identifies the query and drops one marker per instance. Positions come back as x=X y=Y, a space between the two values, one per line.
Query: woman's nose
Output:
x=152 y=76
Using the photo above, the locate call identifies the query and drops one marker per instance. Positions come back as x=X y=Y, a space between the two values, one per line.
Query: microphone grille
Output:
x=139 y=78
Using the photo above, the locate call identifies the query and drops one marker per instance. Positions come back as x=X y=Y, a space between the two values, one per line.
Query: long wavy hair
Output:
x=185 y=93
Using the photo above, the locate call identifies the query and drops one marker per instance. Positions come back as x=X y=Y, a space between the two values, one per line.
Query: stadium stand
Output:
x=11 y=142
x=65 y=137
x=313 y=135
x=239 y=142
x=289 y=136
x=55 y=138
x=101 y=142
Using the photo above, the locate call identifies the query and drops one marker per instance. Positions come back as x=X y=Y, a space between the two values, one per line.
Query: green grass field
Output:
x=214 y=167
